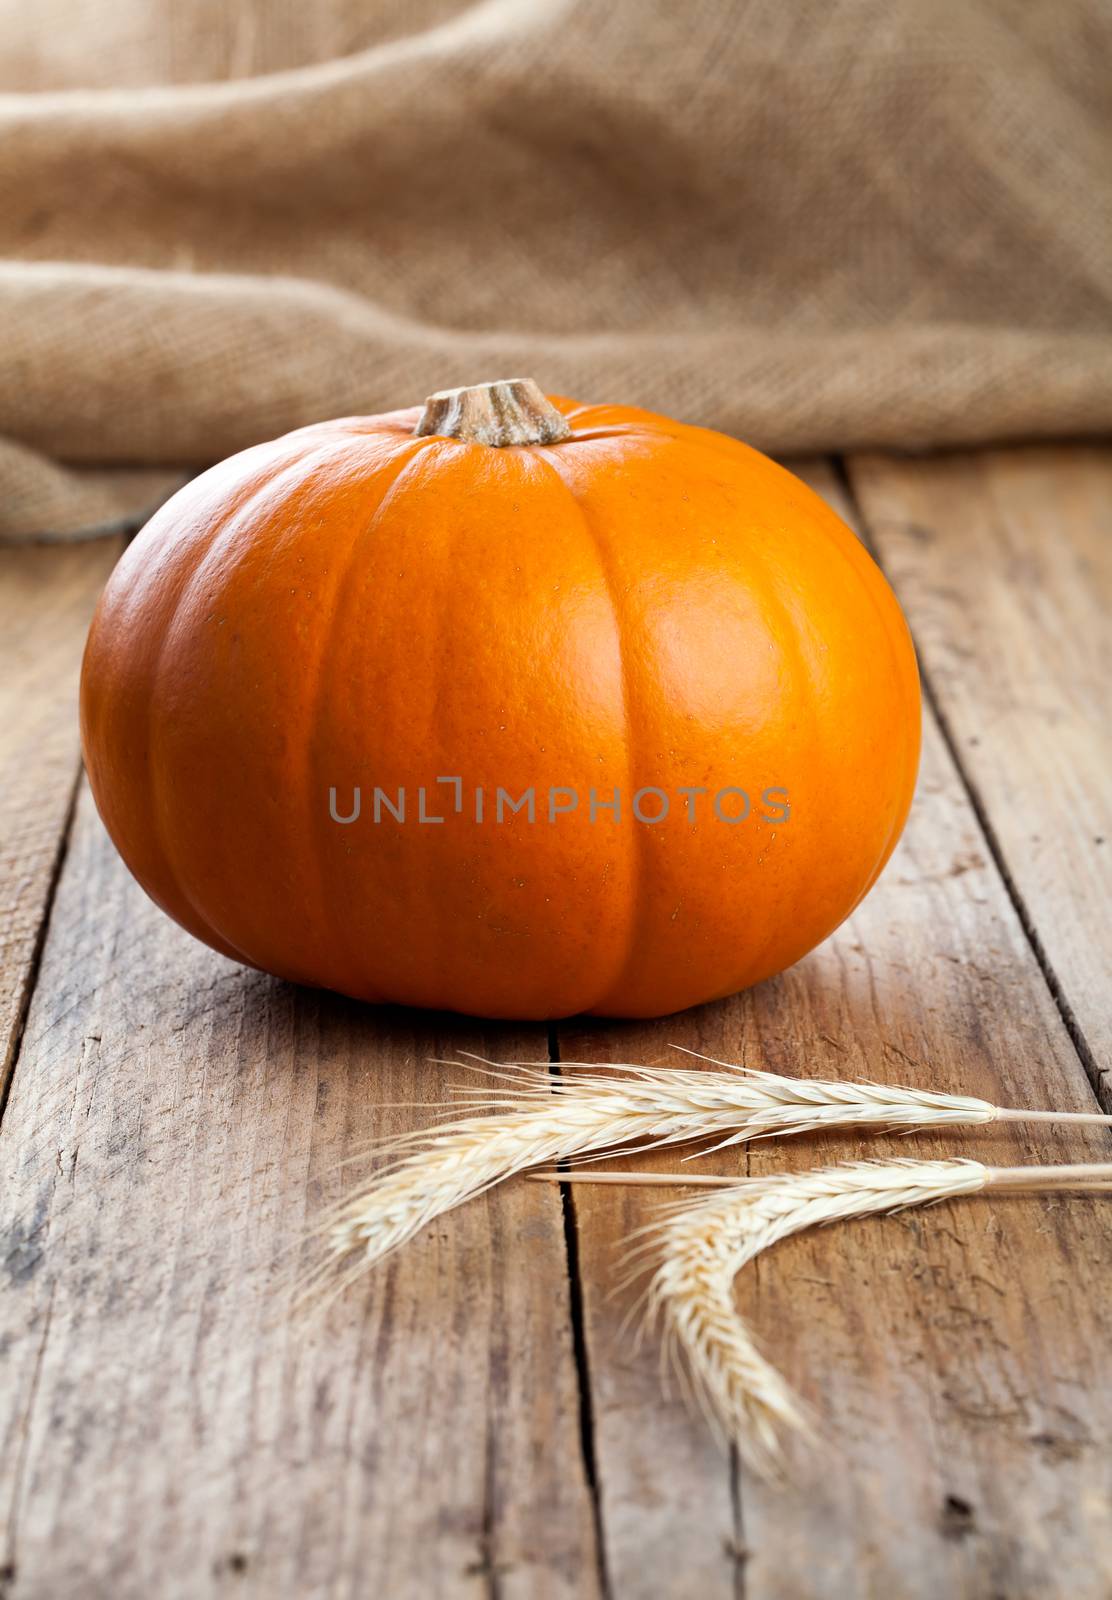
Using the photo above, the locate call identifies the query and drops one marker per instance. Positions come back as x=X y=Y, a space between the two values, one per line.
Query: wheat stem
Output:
x=1049 y=1177
x=1006 y=1179
x=1020 y=1114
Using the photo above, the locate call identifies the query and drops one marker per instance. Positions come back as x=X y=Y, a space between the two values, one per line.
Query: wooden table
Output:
x=471 y=1420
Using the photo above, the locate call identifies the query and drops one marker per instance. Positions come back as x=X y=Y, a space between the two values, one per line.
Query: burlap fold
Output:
x=813 y=224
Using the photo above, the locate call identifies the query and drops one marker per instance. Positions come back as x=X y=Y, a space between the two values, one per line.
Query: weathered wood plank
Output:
x=1003 y=561
x=956 y=1357
x=46 y=599
x=174 y=1124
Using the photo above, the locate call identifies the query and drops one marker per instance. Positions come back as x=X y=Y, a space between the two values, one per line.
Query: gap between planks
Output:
x=47 y=596
x=579 y=1346
x=1101 y=1089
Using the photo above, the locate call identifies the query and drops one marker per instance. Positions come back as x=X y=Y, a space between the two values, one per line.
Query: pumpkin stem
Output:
x=508 y=411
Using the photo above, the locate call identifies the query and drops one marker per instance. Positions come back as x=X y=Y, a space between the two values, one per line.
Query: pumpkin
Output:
x=510 y=706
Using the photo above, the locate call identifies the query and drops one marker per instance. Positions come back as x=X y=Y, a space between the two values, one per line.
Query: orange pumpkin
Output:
x=323 y=682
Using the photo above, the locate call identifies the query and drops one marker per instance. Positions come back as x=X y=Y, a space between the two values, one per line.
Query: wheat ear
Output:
x=705 y=1244
x=536 y=1118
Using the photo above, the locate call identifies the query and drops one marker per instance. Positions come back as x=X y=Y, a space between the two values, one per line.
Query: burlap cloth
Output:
x=811 y=223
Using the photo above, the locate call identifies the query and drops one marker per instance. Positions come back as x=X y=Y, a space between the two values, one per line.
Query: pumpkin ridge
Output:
x=420 y=462
x=806 y=694
x=170 y=886
x=857 y=557
x=407 y=453
x=168 y=895
x=623 y=967
x=228 y=520
x=862 y=562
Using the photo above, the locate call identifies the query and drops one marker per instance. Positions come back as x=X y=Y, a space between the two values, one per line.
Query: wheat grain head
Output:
x=705 y=1244
x=536 y=1117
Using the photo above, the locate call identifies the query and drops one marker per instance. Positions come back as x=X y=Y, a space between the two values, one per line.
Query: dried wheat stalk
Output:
x=705 y=1244
x=536 y=1118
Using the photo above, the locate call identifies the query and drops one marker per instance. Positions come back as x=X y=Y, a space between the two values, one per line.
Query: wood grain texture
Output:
x=1003 y=562
x=47 y=597
x=175 y=1123
x=954 y=1356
